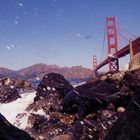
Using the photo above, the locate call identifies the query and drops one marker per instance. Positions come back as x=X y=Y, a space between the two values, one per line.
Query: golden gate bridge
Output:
x=114 y=53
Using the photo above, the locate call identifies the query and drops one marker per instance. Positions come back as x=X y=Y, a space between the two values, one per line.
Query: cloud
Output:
x=20 y=4
x=9 y=47
x=78 y=35
x=88 y=37
x=25 y=13
x=16 y=22
x=12 y=46
x=84 y=7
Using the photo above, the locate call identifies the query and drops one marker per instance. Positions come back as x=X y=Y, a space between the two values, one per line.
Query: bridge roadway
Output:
x=122 y=52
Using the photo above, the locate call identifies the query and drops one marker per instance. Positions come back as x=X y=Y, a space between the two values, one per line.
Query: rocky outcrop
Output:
x=42 y=126
x=128 y=124
x=20 y=85
x=50 y=93
x=99 y=109
x=10 y=89
x=8 y=94
x=10 y=132
x=88 y=97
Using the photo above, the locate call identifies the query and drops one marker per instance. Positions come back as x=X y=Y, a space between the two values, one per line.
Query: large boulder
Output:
x=88 y=97
x=50 y=93
x=10 y=132
x=53 y=83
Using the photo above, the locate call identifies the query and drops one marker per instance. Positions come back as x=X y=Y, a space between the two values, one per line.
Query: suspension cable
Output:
x=123 y=36
x=122 y=26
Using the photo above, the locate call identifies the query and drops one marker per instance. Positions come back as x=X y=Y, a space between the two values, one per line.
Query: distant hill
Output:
x=37 y=71
x=5 y=71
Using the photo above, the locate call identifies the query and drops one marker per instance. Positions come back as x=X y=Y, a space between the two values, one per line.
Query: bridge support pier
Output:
x=113 y=64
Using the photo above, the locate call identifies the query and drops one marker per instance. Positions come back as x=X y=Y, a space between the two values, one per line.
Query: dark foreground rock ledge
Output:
x=128 y=124
x=10 y=132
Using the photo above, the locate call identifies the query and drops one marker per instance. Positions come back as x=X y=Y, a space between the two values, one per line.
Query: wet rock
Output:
x=91 y=116
x=64 y=118
x=20 y=85
x=116 y=76
x=62 y=137
x=50 y=93
x=111 y=107
x=89 y=110
x=36 y=121
x=47 y=105
x=21 y=121
x=23 y=85
x=128 y=124
x=106 y=114
x=93 y=130
x=97 y=89
x=88 y=97
x=53 y=83
x=71 y=102
x=10 y=132
x=47 y=128
x=8 y=94
x=119 y=99
x=120 y=109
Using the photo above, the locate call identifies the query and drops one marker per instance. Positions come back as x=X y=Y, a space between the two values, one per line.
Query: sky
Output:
x=62 y=32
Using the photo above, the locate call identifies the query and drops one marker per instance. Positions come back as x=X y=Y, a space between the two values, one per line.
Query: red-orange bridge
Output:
x=113 y=52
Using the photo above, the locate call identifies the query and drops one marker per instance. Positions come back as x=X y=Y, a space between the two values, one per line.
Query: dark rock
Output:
x=94 y=130
x=88 y=97
x=62 y=137
x=71 y=102
x=8 y=94
x=128 y=124
x=40 y=104
x=50 y=93
x=10 y=132
x=97 y=89
x=89 y=111
x=23 y=85
x=64 y=118
x=119 y=99
x=53 y=83
x=36 y=121
x=43 y=128
x=20 y=85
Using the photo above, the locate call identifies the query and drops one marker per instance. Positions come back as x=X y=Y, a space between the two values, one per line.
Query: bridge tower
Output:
x=112 y=43
x=94 y=65
x=94 y=62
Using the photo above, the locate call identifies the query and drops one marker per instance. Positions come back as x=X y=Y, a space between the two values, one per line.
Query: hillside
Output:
x=37 y=71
